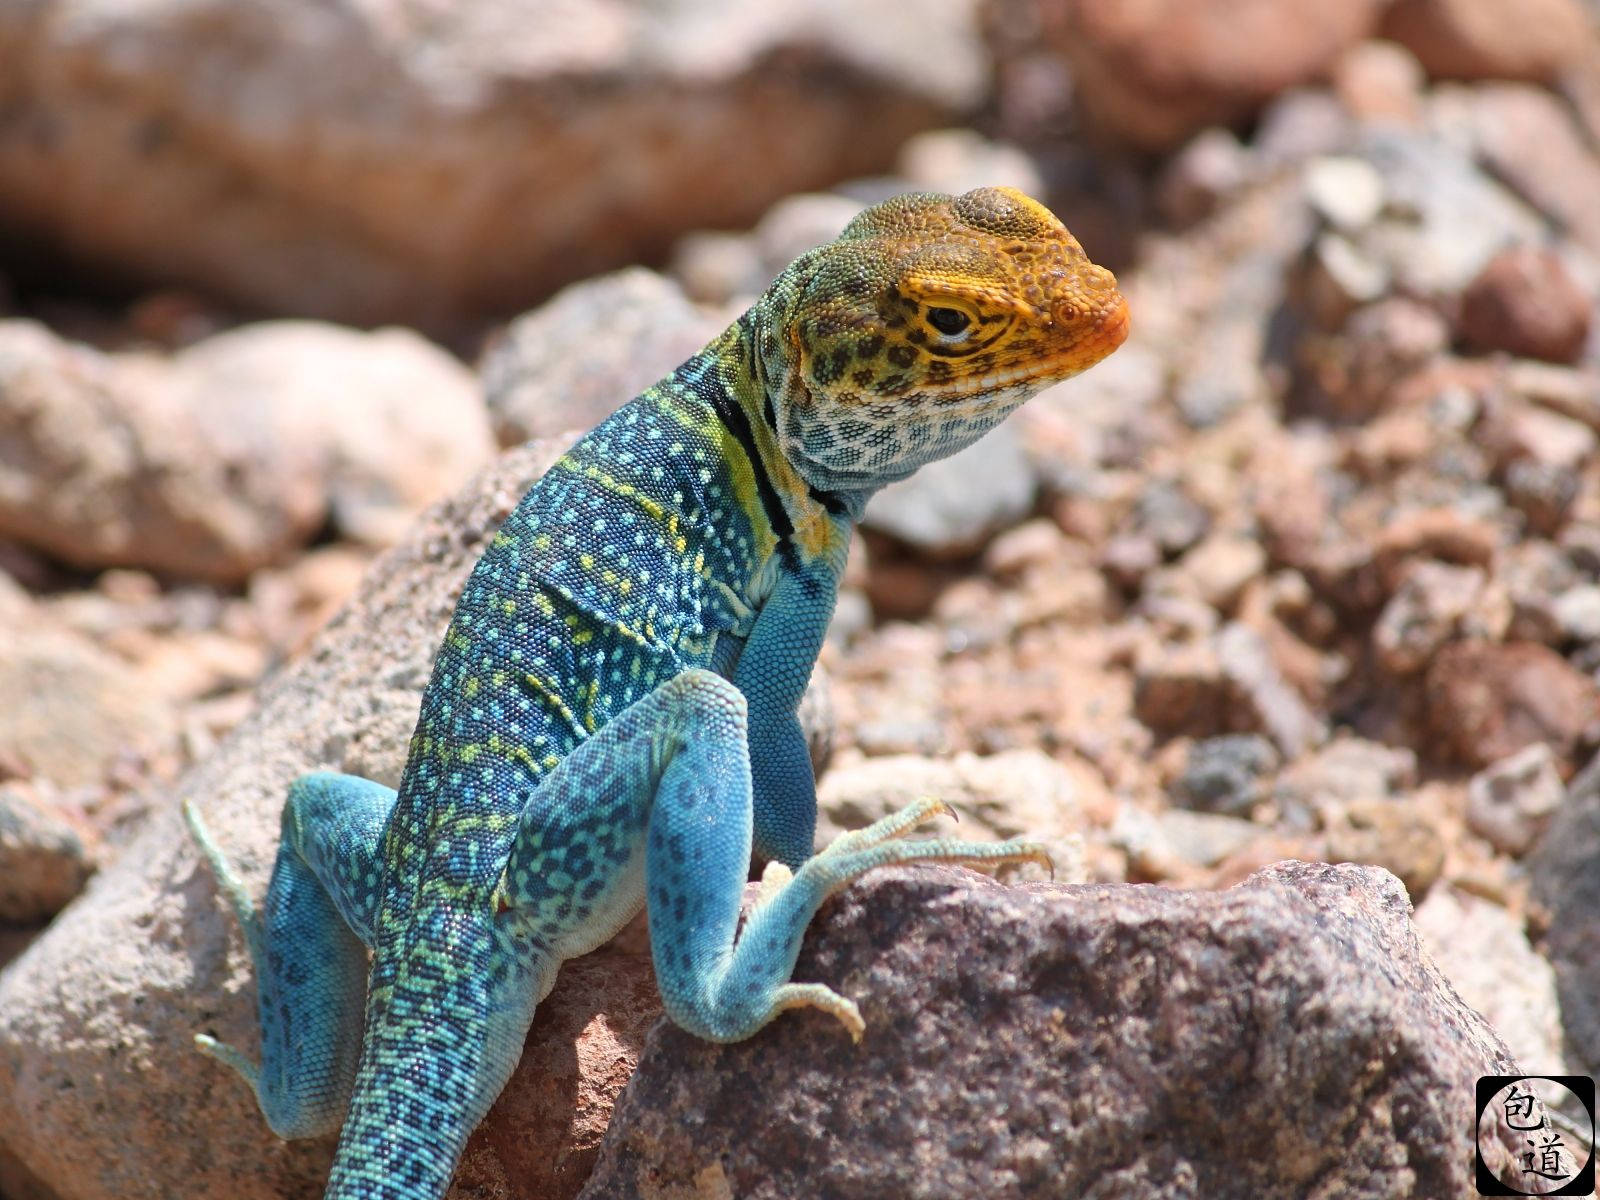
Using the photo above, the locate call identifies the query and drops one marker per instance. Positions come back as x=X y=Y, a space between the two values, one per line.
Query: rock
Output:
x=1380 y=81
x=405 y=185
x=1154 y=74
x=386 y=420
x=1075 y=991
x=1524 y=303
x=1180 y=689
x=99 y=1091
x=1530 y=140
x=799 y=223
x=45 y=858
x=1227 y=683
x=1425 y=612
x=1382 y=343
x=234 y=452
x=717 y=268
x=543 y=1136
x=1577 y=613
x=1346 y=191
x=68 y=709
x=103 y=473
x=1016 y=793
x=1564 y=876
x=1510 y=802
x=1221 y=566
x=950 y=507
x=1443 y=219
x=1482 y=949
x=1174 y=842
x=1212 y=166
x=570 y=363
x=1542 y=492
x=959 y=160
x=1168 y=516
x=1348 y=770
x=1301 y=123
x=1484 y=39
x=1485 y=702
x=1396 y=835
x=1513 y=431
x=1574 y=394
x=1339 y=279
x=1227 y=375
x=1448 y=534
x=1226 y=774
x=1262 y=699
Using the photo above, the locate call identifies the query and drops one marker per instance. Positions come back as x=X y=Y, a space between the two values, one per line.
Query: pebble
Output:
x=1510 y=802
x=1347 y=192
x=1524 y=302
x=1226 y=774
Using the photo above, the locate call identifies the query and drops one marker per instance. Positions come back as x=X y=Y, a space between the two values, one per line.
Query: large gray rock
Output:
x=394 y=161
x=1285 y=1038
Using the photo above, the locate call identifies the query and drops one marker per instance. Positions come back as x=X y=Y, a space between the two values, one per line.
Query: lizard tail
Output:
x=440 y=1049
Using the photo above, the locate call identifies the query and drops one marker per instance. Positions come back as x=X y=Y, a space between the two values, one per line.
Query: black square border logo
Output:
x=1583 y=1087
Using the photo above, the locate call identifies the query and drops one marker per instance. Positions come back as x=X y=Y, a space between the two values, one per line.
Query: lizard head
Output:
x=922 y=326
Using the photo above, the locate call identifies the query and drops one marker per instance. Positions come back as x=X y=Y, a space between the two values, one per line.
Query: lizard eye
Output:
x=948 y=321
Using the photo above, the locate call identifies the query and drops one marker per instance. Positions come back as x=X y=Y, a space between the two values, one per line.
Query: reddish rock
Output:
x=1490 y=39
x=1525 y=303
x=1288 y=1038
x=1154 y=73
x=1485 y=702
x=1447 y=534
x=542 y=1137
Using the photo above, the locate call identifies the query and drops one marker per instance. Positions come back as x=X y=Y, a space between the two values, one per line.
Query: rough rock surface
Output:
x=101 y=1092
x=233 y=452
x=1284 y=1038
x=387 y=160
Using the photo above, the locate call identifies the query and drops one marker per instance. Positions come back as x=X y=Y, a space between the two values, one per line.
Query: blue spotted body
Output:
x=611 y=721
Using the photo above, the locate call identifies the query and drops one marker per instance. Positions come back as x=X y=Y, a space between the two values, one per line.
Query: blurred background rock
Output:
x=1309 y=569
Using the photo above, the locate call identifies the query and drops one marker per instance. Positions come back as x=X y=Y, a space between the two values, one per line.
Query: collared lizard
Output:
x=611 y=719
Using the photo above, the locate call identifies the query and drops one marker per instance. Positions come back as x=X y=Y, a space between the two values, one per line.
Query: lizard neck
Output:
x=729 y=374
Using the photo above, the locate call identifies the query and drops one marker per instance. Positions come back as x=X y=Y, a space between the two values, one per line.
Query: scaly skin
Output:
x=611 y=717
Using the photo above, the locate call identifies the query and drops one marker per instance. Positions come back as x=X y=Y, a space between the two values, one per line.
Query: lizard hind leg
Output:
x=305 y=942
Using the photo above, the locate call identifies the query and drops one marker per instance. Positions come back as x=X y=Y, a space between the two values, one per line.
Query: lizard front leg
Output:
x=307 y=945
x=668 y=783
